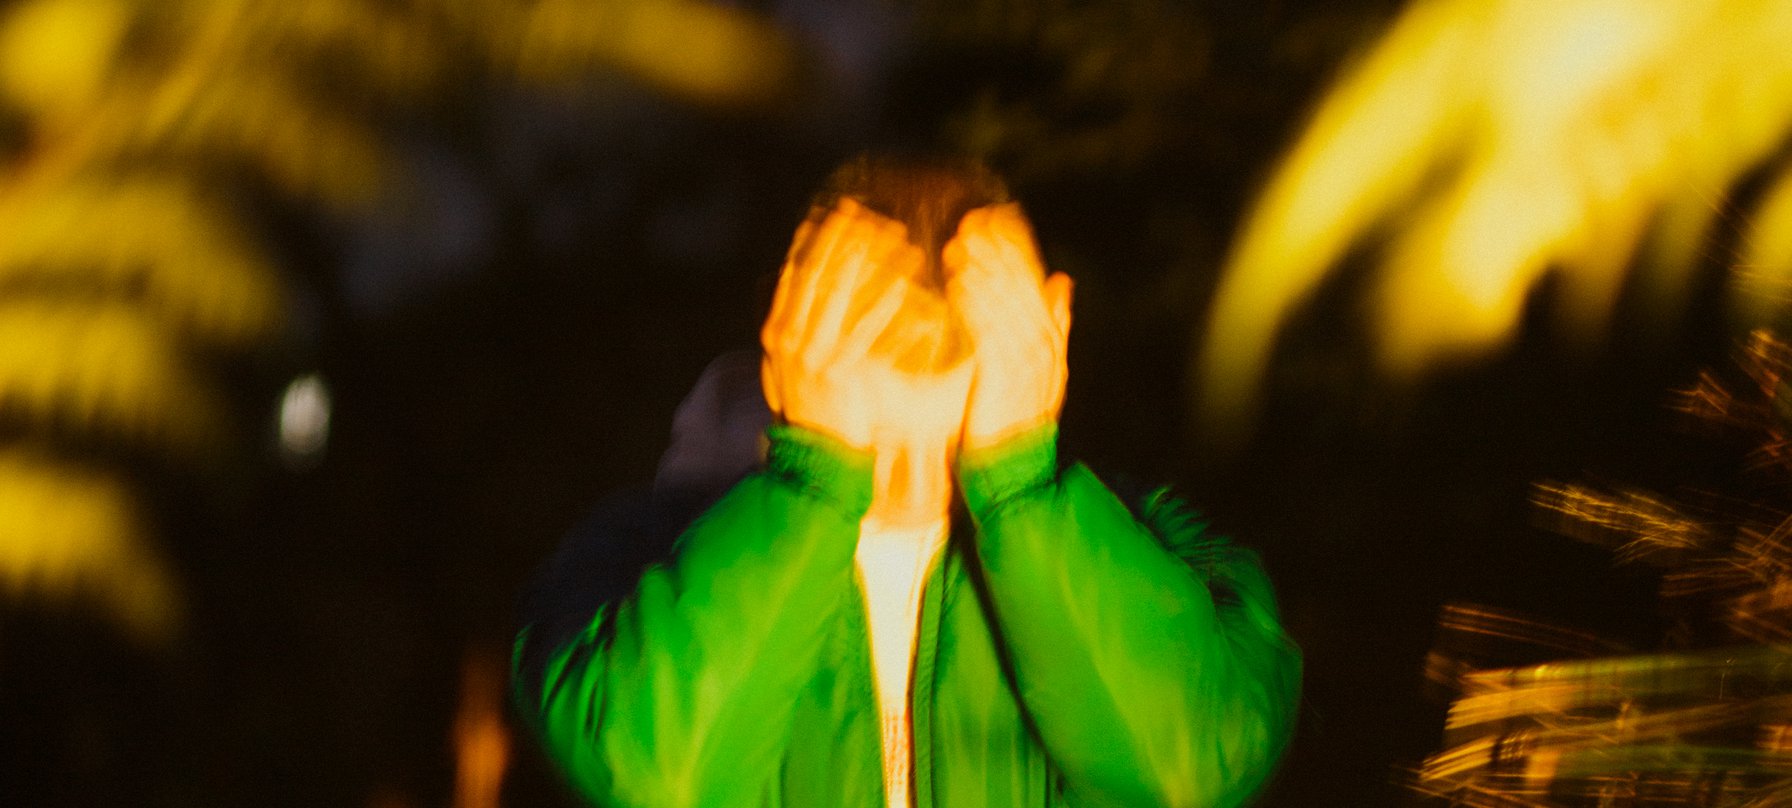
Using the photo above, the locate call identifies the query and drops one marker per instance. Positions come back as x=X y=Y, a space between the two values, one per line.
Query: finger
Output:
x=1009 y=260
x=954 y=255
x=996 y=282
x=857 y=249
x=1001 y=238
x=1009 y=227
x=894 y=258
x=917 y=342
x=817 y=267
x=799 y=245
x=772 y=385
x=775 y=337
x=991 y=298
x=819 y=219
x=770 y=335
x=856 y=343
x=857 y=273
x=984 y=290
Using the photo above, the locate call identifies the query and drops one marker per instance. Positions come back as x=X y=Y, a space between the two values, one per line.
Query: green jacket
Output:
x=1068 y=653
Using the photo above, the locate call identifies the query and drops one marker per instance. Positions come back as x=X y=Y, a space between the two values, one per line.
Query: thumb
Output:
x=769 y=382
x=1058 y=287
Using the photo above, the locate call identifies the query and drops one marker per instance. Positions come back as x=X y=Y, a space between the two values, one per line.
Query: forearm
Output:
x=673 y=695
x=1146 y=688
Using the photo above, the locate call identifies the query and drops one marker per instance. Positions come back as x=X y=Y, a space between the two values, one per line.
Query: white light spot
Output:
x=304 y=420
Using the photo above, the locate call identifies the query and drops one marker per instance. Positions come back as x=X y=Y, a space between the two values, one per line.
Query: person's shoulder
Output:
x=600 y=558
x=1167 y=513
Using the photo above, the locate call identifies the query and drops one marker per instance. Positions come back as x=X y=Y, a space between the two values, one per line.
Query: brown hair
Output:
x=928 y=195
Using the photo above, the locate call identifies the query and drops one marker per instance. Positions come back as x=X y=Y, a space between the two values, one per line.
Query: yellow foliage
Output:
x=257 y=116
x=1764 y=274
x=1496 y=142
x=68 y=532
x=56 y=55
x=114 y=272
x=196 y=272
x=712 y=54
x=106 y=369
x=395 y=50
x=218 y=82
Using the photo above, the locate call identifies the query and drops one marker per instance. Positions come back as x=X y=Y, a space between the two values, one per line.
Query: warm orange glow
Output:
x=1497 y=141
x=134 y=121
x=481 y=738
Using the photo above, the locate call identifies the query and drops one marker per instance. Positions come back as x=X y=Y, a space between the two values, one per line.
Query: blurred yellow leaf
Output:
x=156 y=236
x=56 y=55
x=396 y=50
x=1764 y=275
x=709 y=53
x=1496 y=142
x=105 y=369
x=257 y=116
x=120 y=271
x=71 y=534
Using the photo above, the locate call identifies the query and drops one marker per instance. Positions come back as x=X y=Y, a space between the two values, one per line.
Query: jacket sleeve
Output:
x=675 y=693
x=1150 y=661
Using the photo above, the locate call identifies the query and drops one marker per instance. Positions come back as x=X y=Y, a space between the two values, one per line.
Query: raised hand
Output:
x=856 y=348
x=1019 y=323
x=842 y=286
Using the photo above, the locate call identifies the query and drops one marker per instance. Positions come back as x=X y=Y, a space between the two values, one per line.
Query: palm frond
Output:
x=709 y=53
x=57 y=57
x=72 y=532
x=157 y=238
x=104 y=371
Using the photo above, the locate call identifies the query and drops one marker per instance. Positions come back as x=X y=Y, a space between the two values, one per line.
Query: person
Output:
x=910 y=601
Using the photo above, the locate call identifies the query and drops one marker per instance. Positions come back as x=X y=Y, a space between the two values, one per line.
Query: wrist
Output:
x=820 y=464
x=848 y=433
x=991 y=474
x=912 y=483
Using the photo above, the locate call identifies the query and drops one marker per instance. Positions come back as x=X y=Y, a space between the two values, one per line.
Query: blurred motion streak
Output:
x=1702 y=722
x=133 y=257
x=1491 y=623
x=1638 y=526
x=1492 y=143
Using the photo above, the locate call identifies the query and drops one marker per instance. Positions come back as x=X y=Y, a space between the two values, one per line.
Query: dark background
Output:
x=510 y=349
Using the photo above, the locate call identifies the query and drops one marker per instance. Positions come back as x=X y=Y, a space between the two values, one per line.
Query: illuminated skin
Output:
x=851 y=352
x=1020 y=323
x=1065 y=650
